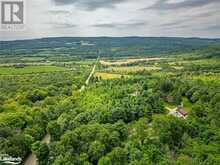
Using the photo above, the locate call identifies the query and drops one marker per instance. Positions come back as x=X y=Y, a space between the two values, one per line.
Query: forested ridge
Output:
x=108 y=46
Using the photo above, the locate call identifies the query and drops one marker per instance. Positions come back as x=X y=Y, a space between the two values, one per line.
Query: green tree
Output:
x=96 y=151
x=118 y=156
x=170 y=130
x=53 y=128
x=41 y=150
x=36 y=95
x=104 y=161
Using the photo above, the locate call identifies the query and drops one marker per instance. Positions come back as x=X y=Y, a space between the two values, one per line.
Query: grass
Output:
x=170 y=105
x=202 y=62
x=133 y=69
x=211 y=78
x=33 y=59
x=187 y=104
x=178 y=67
x=29 y=70
x=206 y=62
x=162 y=74
x=128 y=61
x=107 y=76
x=86 y=62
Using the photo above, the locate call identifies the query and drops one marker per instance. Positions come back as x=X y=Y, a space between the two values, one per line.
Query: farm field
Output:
x=127 y=61
x=29 y=70
x=106 y=76
x=133 y=69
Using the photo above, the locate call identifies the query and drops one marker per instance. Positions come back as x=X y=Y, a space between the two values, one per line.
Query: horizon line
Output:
x=51 y=37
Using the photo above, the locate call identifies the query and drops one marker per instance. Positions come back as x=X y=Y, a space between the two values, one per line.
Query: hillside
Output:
x=106 y=46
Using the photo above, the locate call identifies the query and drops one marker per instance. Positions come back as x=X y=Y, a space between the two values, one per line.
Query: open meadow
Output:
x=29 y=70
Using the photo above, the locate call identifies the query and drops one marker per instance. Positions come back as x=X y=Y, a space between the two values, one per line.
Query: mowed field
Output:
x=107 y=76
x=133 y=69
x=127 y=61
x=29 y=70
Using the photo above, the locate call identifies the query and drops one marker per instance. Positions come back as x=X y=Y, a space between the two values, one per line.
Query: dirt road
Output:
x=90 y=75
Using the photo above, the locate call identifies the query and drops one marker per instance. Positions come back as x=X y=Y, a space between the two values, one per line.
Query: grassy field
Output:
x=128 y=61
x=206 y=62
x=187 y=104
x=208 y=77
x=86 y=62
x=33 y=59
x=211 y=78
x=29 y=69
x=178 y=67
x=133 y=69
x=169 y=105
x=202 y=62
x=106 y=76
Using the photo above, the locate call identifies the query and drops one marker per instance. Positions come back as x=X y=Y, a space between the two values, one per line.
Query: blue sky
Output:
x=179 y=18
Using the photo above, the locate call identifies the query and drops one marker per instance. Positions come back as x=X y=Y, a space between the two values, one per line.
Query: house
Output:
x=19 y=65
x=179 y=112
x=135 y=94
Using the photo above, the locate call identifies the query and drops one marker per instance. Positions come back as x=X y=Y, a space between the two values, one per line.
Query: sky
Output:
x=118 y=18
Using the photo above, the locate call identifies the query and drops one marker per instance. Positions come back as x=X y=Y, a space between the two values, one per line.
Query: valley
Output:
x=82 y=106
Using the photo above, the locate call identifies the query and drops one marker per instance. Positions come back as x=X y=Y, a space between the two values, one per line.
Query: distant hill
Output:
x=106 y=46
x=209 y=52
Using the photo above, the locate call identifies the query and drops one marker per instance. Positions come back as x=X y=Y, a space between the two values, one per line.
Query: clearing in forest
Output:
x=128 y=61
x=106 y=76
x=133 y=69
x=29 y=70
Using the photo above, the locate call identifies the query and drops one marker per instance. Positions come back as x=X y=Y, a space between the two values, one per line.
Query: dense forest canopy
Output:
x=106 y=101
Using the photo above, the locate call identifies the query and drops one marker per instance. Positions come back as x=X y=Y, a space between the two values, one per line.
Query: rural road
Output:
x=32 y=159
x=90 y=75
x=88 y=79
